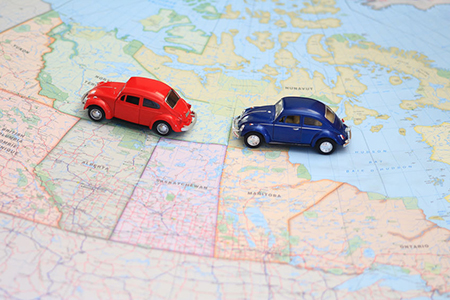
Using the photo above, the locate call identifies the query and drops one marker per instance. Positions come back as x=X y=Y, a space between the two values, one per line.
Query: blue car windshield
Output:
x=278 y=108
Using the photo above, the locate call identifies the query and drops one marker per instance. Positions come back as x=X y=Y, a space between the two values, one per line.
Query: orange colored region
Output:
x=28 y=132
x=348 y=231
x=22 y=48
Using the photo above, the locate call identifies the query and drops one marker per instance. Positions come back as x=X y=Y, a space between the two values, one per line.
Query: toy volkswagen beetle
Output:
x=293 y=120
x=140 y=100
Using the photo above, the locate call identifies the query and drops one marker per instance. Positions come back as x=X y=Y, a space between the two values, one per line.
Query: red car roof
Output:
x=147 y=85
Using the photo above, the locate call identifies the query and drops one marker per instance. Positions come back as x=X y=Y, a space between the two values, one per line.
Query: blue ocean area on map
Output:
x=390 y=276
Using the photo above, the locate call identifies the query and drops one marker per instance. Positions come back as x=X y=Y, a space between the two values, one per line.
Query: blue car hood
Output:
x=259 y=114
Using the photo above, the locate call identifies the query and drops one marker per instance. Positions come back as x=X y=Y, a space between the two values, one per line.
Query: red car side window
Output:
x=133 y=100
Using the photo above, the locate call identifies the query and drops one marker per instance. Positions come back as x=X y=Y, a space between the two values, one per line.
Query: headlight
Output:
x=242 y=127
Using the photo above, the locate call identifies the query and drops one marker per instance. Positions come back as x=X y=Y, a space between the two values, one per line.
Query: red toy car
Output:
x=143 y=101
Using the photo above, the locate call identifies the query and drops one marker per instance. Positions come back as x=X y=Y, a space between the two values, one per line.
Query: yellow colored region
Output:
x=262 y=41
x=269 y=70
x=408 y=118
x=230 y=14
x=383 y=117
x=447 y=198
x=233 y=92
x=320 y=7
x=213 y=53
x=402 y=131
x=347 y=83
x=376 y=128
x=358 y=113
x=407 y=62
x=437 y=137
x=298 y=22
x=395 y=80
x=287 y=37
x=263 y=16
x=284 y=58
x=280 y=23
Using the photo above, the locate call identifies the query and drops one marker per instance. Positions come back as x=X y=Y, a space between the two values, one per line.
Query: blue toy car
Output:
x=293 y=120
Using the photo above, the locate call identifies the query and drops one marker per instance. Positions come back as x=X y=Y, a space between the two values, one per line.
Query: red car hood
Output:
x=107 y=89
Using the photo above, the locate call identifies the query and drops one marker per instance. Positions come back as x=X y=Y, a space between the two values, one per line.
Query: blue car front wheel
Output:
x=253 y=139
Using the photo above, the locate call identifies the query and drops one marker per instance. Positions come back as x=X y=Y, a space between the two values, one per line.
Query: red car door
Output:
x=127 y=108
x=149 y=112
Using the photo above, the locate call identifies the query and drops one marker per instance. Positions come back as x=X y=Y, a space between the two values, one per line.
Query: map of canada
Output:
x=111 y=210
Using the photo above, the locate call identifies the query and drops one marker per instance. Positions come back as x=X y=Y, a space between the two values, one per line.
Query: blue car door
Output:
x=311 y=127
x=287 y=130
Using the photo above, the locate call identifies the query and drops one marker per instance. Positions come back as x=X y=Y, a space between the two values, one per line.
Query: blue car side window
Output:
x=293 y=120
x=312 y=122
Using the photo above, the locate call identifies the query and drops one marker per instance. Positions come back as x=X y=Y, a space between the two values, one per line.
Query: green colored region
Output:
x=371 y=218
x=170 y=197
x=363 y=46
x=22 y=180
x=335 y=271
x=354 y=244
x=443 y=73
x=310 y=214
x=302 y=172
x=17 y=112
x=293 y=240
x=354 y=37
x=410 y=202
x=41 y=211
x=164 y=18
x=375 y=196
x=222 y=228
x=230 y=238
x=339 y=38
x=435 y=269
x=130 y=139
x=278 y=170
x=45 y=18
x=132 y=47
x=209 y=11
x=48 y=89
x=31 y=119
x=272 y=154
x=188 y=36
x=1 y=113
x=47 y=183
x=247 y=152
x=231 y=219
x=406 y=271
x=252 y=168
x=22 y=28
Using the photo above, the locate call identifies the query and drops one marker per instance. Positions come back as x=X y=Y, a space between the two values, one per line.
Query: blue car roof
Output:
x=303 y=105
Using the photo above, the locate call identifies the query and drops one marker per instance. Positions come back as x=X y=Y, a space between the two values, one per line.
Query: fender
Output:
x=326 y=135
x=99 y=102
x=176 y=126
x=257 y=128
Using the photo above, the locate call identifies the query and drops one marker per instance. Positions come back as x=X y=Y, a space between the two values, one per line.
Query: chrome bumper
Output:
x=349 y=133
x=194 y=120
x=235 y=129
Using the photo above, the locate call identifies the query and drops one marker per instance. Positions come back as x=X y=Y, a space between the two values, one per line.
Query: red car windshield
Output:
x=172 y=98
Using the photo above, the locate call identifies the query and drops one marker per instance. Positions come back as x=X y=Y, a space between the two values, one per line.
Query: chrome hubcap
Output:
x=96 y=114
x=162 y=128
x=326 y=147
x=253 y=140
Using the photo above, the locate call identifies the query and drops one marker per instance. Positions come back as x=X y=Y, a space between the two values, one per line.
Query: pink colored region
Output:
x=28 y=132
x=174 y=207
